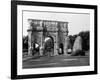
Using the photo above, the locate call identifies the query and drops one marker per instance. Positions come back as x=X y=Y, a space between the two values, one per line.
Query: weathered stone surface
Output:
x=40 y=29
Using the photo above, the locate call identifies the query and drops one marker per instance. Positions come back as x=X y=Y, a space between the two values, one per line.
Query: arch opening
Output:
x=48 y=46
x=61 y=47
x=35 y=48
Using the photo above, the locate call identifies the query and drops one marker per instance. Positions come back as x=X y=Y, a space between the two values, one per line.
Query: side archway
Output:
x=61 y=48
x=35 y=49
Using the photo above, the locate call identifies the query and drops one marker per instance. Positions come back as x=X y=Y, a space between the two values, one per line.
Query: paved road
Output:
x=56 y=61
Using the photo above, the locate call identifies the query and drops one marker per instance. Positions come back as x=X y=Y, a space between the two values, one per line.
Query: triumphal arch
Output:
x=38 y=30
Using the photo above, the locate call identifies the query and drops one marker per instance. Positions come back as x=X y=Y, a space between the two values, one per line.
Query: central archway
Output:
x=48 y=46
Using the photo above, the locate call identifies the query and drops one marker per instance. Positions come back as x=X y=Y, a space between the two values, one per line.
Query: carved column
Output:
x=66 y=38
x=41 y=47
x=65 y=46
x=29 y=38
x=55 y=47
x=56 y=40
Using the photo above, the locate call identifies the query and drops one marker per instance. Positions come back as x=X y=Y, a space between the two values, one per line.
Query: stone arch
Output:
x=53 y=28
x=48 y=45
x=54 y=35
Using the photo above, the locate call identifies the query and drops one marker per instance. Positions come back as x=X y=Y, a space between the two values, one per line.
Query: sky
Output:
x=77 y=22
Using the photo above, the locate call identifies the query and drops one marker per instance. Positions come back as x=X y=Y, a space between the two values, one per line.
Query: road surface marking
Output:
x=49 y=64
x=45 y=64
x=36 y=60
x=68 y=59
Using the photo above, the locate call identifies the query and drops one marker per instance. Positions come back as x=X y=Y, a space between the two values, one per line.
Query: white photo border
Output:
x=21 y=71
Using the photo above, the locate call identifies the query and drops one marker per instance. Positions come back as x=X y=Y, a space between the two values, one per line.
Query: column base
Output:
x=30 y=54
x=55 y=52
x=65 y=52
x=41 y=51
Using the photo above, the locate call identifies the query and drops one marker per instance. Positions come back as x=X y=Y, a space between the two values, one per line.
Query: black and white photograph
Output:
x=55 y=39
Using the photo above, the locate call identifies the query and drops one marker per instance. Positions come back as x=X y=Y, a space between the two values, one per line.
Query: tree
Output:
x=85 y=39
x=25 y=42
